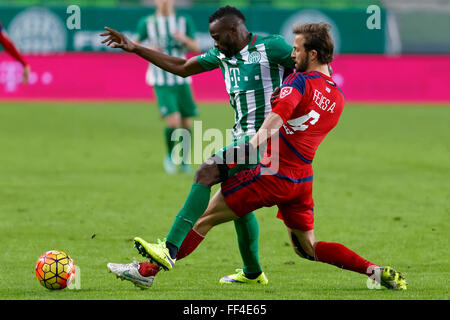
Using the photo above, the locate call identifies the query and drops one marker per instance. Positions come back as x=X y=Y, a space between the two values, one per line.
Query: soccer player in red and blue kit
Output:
x=9 y=47
x=307 y=109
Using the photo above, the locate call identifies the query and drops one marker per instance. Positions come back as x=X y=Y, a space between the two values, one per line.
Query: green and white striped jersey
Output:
x=250 y=77
x=158 y=31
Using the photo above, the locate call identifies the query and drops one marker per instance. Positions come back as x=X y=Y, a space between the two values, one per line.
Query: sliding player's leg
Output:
x=298 y=216
x=161 y=254
x=247 y=232
x=307 y=247
x=211 y=172
x=208 y=174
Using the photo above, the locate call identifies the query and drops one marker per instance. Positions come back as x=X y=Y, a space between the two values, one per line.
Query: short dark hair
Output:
x=317 y=37
x=227 y=11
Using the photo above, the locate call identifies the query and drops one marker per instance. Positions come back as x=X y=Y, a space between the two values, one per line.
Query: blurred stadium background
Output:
x=411 y=42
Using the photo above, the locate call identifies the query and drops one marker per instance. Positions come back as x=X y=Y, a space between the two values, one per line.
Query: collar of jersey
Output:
x=320 y=74
x=250 y=43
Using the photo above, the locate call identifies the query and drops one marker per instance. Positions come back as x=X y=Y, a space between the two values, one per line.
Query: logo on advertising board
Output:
x=38 y=30
x=11 y=77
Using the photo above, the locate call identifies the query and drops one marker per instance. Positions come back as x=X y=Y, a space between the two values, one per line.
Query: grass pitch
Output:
x=87 y=178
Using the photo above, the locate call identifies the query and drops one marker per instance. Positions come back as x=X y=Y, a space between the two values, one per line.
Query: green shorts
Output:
x=238 y=167
x=177 y=98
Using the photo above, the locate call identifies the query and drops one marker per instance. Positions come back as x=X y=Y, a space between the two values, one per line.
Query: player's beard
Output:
x=303 y=66
x=229 y=49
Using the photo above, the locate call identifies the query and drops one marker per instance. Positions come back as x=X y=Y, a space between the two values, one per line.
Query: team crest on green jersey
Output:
x=254 y=57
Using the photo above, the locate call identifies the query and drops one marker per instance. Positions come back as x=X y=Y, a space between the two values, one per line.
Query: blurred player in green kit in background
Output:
x=173 y=34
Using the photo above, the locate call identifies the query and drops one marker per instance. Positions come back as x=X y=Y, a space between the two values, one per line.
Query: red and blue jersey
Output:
x=310 y=105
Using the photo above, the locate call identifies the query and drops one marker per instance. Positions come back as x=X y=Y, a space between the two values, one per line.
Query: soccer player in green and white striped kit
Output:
x=174 y=34
x=252 y=67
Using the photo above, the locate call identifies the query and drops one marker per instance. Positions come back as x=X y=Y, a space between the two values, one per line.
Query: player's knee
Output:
x=186 y=123
x=207 y=174
x=173 y=120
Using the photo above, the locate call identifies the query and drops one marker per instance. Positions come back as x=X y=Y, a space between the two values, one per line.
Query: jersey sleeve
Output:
x=280 y=52
x=9 y=47
x=297 y=81
x=209 y=59
x=142 y=30
x=291 y=94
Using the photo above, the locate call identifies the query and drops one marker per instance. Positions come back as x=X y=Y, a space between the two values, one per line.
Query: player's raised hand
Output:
x=115 y=39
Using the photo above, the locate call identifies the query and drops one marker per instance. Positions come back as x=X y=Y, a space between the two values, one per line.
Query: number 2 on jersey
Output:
x=299 y=123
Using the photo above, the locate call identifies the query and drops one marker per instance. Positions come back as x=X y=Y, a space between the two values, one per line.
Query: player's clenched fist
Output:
x=116 y=39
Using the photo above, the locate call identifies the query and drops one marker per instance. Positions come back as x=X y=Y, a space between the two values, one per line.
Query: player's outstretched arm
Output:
x=178 y=66
x=11 y=49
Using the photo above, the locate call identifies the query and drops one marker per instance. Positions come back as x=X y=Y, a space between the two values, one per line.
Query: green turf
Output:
x=72 y=171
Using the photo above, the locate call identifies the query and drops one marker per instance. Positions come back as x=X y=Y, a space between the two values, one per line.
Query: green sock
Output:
x=168 y=136
x=247 y=230
x=196 y=203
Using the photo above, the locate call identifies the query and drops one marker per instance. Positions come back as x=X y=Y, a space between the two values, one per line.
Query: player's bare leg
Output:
x=183 y=238
x=173 y=120
x=303 y=242
x=195 y=237
x=160 y=254
x=306 y=246
x=205 y=223
x=186 y=123
x=218 y=212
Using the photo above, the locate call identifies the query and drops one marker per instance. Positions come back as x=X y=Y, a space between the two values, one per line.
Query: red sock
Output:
x=189 y=244
x=148 y=269
x=342 y=257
